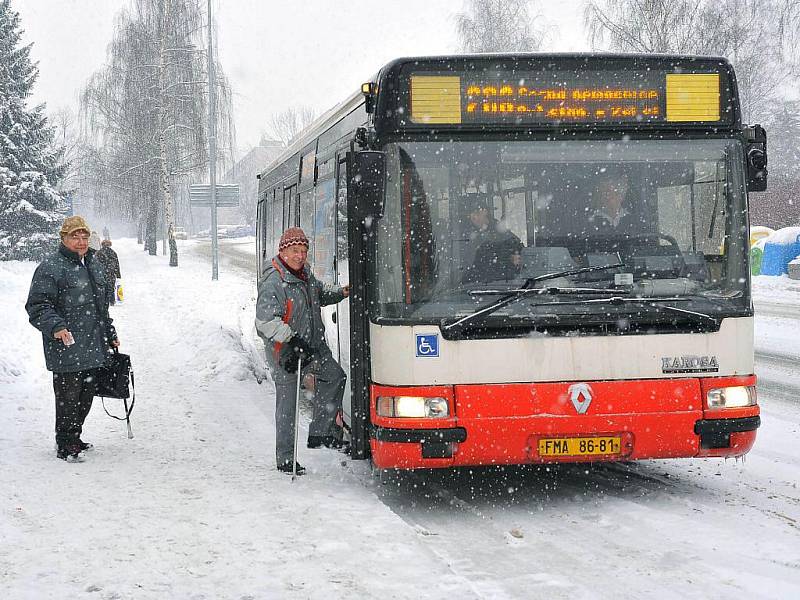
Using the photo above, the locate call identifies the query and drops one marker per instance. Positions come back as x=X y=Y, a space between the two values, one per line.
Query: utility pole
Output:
x=212 y=149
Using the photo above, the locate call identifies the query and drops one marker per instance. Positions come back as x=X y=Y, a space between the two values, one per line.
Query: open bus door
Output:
x=364 y=178
x=342 y=277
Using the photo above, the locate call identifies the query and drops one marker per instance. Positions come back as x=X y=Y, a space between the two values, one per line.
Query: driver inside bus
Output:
x=611 y=214
x=493 y=252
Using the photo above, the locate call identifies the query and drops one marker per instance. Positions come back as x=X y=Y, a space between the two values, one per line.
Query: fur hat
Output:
x=73 y=224
x=291 y=237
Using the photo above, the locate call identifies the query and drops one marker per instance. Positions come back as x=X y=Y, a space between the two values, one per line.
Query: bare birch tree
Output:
x=287 y=125
x=147 y=110
x=499 y=26
x=747 y=32
x=67 y=136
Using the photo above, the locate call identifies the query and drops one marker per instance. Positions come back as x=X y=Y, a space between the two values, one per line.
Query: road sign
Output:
x=227 y=195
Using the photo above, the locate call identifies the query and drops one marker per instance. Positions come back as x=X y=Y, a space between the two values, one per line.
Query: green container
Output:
x=756 y=254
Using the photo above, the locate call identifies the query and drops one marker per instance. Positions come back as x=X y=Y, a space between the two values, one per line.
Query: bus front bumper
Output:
x=510 y=434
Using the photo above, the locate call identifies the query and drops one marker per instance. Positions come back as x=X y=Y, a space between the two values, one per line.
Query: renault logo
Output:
x=581 y=396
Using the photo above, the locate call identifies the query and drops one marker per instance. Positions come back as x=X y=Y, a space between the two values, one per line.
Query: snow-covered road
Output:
x=193 y=508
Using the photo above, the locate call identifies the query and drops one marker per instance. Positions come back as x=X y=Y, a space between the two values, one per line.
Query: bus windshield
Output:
x=467 y=219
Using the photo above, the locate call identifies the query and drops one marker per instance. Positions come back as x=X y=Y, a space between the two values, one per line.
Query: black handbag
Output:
x=115 y=380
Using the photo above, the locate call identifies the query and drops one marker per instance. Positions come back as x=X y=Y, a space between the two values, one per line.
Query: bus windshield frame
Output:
x=539 y=206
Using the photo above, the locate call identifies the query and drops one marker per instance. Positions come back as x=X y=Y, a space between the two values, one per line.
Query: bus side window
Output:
x=277 y=219
x=306 y=208
x=289 y=207
x=260 y=245
x=324 y=229
x=273 y=208
x=269 y=217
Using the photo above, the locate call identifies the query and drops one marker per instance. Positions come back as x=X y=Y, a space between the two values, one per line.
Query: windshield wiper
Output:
x=547 y=291
x=568 y=272
x=524 y=291
x=657 y=302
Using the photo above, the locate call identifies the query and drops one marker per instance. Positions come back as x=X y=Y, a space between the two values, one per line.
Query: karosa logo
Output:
x=689 y=364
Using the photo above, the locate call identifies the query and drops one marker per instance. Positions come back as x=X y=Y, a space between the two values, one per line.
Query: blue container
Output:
x=781 y=247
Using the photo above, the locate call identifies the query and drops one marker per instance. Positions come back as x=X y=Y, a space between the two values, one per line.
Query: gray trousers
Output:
x=327 y=402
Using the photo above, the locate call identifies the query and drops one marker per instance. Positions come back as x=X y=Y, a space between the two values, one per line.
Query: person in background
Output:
x=110 y=261
x=67 y=302
x=493 y=253
x=173 y=247
x=94 y=241
x=106 y=233
x=289 y=320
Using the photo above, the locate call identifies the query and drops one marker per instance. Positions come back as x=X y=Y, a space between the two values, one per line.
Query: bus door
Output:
x=342 y=275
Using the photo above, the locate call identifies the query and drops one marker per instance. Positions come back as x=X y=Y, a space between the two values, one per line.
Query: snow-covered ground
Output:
x=193 y=507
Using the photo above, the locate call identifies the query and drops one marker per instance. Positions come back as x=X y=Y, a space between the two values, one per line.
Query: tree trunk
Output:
x=151 y=235
x=173 y=250
x=169 y=208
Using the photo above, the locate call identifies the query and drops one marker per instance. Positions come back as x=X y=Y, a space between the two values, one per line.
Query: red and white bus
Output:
x=547 y=255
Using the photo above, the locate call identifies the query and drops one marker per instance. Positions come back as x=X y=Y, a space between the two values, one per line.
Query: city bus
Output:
x=547 y=254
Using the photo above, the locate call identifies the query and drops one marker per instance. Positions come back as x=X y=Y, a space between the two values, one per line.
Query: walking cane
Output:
x=128 y=419
x=296 y=417
x=125 y=402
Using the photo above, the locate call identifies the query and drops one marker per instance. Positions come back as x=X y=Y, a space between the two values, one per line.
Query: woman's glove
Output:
x=296 y=349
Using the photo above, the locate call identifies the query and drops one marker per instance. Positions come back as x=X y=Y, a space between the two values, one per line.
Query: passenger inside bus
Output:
x=493 y=252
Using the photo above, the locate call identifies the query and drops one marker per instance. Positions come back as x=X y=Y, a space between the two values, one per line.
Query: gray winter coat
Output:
x=65 y=294
x=288 y=306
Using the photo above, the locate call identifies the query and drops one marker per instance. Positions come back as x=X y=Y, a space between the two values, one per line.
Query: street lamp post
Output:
x=212 y=149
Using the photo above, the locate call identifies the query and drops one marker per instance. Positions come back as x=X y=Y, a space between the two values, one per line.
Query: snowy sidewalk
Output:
x=192 y=507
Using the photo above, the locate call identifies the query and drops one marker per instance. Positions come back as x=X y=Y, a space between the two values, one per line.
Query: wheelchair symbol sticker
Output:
x=428 y=345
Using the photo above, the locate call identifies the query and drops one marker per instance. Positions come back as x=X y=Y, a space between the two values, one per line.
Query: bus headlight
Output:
x=412 y=407
x=731 y=397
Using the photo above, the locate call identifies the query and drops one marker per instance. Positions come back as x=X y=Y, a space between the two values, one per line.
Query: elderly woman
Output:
x=67 y=303
x=289 y=320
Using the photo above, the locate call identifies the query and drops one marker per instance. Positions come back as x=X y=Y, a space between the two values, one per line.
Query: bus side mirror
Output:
x=756 y=158
x=366 y=182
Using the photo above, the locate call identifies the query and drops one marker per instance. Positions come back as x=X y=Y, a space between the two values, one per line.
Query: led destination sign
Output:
x=561 y=103
x=566 y=97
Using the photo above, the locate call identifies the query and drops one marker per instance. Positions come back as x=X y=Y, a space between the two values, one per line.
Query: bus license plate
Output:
x=580 y=446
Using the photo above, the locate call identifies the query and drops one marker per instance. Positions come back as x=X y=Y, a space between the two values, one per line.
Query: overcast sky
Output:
x=276 y=54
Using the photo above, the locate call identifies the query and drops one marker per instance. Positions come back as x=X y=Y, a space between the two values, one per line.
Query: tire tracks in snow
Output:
x=481 y=518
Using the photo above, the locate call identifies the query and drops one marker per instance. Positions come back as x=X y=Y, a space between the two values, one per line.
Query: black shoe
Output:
x=317 y=441
x=329 y=441
x=286 y=467
x=70 y=453
x=337 y=444
x=85 y=445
